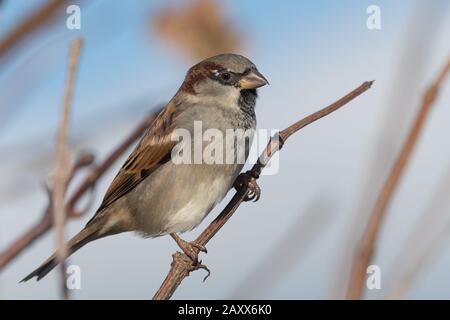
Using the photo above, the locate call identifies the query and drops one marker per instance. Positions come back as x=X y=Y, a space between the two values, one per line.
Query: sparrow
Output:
x=154 y=196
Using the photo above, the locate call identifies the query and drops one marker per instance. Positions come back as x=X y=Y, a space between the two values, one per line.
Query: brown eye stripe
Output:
x=198 y=73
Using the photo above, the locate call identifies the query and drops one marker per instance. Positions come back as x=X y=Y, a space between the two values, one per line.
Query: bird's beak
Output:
x=252 y=80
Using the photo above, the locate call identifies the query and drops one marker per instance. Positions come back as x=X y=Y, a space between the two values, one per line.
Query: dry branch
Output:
x=63 y=170
x=181 y=265
x=365 y=251
x=44 y=225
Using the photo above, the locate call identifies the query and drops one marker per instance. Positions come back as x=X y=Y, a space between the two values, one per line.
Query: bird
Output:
x=154 y=195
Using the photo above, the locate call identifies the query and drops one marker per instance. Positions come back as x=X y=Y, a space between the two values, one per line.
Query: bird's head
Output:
x=225 y=77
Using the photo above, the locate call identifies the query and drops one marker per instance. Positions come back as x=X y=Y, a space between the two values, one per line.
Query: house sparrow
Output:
x=155 y=196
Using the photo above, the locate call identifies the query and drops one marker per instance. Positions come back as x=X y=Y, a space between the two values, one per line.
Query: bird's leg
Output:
x=249 y=180
x=189 y=247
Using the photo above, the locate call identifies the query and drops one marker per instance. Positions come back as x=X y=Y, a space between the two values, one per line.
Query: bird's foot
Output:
x=191 y=249
x=188 y=264
x=248 y=180
x=199 y=265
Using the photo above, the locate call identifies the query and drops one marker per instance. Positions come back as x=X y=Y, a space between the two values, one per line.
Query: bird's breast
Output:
x=210 y=151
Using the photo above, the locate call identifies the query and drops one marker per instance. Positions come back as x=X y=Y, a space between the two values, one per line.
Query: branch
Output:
x=181 y=265
x=63 y=169
x=365 y=251
x=44 y=225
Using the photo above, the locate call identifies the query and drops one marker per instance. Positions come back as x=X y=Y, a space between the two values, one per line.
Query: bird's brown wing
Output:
x=153 y=150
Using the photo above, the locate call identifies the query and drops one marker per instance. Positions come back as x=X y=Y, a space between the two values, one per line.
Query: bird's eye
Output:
x=225 y=76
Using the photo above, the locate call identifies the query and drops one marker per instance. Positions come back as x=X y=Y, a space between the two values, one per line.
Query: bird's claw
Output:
x=200 y=247
x=191 y=249
x=199 y=265
x=248 y=180
x=191 y=263
x=192 y=254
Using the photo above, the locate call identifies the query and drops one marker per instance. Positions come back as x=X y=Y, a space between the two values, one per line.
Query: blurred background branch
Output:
x=413 y=58
x=365 y=251
x=87 y=183
x=423 y=243
x=62 y=174
x=199 y=29
x=32 y=23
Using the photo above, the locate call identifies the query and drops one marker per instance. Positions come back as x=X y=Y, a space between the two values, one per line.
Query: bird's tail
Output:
x=86 y=235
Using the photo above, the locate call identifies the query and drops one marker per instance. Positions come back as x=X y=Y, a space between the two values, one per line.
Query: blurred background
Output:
x=297 y=241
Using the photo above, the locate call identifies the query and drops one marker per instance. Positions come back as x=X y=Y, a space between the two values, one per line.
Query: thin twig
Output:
x=181 y=265
x=365 y=251
x=45 y=223
x=63 y=168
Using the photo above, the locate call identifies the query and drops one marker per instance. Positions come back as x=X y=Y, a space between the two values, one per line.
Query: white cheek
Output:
x=232 y=96
x=219 y=96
